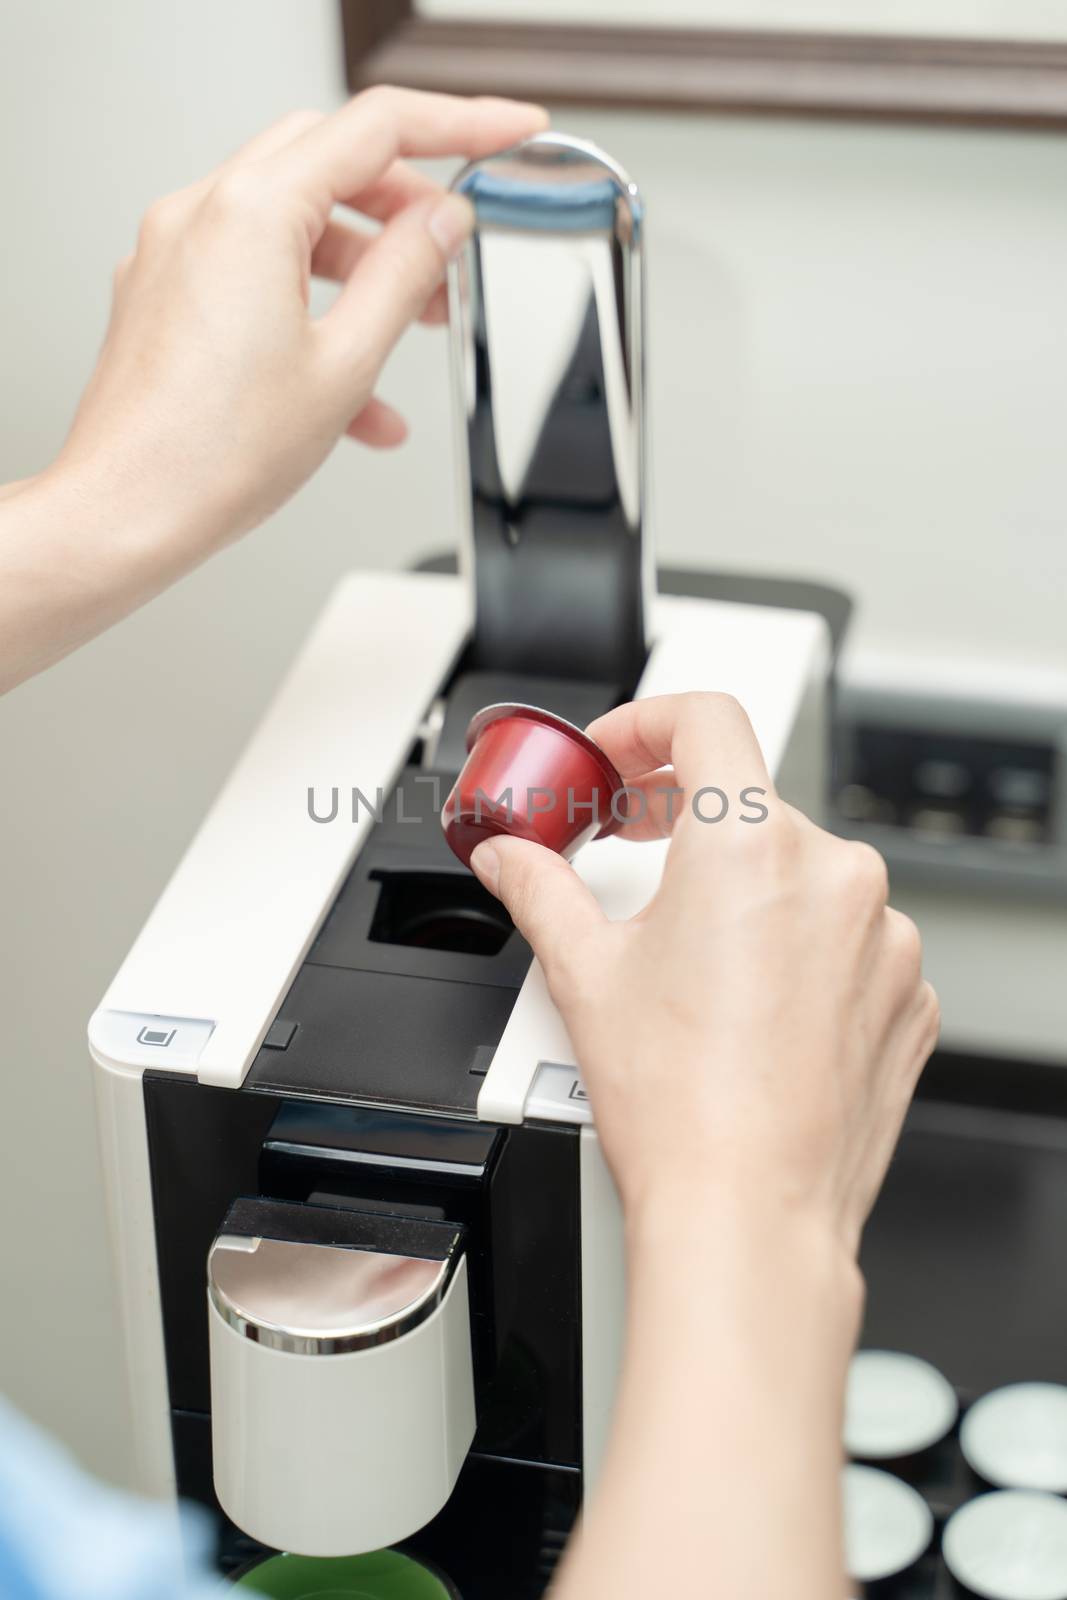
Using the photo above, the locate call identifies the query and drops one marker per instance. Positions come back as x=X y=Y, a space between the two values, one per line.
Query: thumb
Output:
x=548 y=902
x=395 y=276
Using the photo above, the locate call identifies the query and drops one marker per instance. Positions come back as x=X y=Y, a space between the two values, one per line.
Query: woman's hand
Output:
x=759 y=1028
x=750 y=1042
x=215 y=384
x=216 y=393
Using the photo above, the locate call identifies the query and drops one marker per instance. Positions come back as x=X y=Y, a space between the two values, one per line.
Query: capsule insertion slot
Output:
x=438 y=911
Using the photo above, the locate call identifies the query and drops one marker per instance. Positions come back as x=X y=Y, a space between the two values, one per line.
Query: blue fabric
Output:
x=65 y=1536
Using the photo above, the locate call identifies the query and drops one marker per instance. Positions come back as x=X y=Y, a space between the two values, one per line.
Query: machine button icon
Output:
x=157 y=1036
x=149 y=1039
x=558 y=1094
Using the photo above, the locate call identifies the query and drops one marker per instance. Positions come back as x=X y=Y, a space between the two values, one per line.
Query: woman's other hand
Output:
x=216 y=391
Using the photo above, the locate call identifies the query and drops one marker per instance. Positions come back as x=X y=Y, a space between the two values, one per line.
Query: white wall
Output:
x=858 y=353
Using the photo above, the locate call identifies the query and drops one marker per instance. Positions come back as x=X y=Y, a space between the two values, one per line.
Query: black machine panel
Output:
x=411 y=981
x=513 y=1191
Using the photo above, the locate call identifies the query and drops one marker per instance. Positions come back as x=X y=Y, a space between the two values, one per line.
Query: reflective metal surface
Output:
x=546 y=308
x=313 y=1299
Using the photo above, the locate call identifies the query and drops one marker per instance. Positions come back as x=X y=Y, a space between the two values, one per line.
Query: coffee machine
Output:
x=369 y=1252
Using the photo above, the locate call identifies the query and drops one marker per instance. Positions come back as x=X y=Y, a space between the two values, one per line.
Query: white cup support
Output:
x=342 y=1390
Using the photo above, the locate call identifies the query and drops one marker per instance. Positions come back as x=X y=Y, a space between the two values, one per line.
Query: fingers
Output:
x=929 y=1008
x=548 y=902
x=855 y=874
x=340 y=246
x=706 y=737
x=269 y=142
x=339 y=251
x=392 y=282
x=435 y=311
x=400 y=185
x=275 y=138
x=653 y=804
x=379 y=426
x=352 y=150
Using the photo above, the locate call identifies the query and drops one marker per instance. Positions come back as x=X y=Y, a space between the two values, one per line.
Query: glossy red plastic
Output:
x=533 y=776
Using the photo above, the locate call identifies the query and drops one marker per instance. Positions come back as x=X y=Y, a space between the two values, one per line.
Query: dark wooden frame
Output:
x=969 y=81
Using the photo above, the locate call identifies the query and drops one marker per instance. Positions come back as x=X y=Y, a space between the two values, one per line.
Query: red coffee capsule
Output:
x=530 y=775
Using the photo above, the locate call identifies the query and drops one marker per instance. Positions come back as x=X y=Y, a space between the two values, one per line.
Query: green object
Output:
x=383 y=1575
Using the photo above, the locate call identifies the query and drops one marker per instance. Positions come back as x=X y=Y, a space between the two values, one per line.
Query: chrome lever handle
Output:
x=547 y=345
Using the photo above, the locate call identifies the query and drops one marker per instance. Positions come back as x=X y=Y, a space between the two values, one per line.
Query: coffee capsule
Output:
x=896 y=1405
x=1009 y=1545
x=1016 y=1437
x=888 y=1525
x=531 y=775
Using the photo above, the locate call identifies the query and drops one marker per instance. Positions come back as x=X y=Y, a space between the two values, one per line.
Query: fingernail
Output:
x=486 y=864
x=450 y=223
